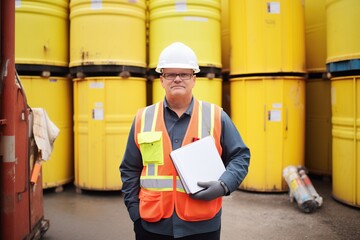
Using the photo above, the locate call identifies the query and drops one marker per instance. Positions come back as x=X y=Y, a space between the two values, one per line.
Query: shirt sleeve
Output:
x=130 y=171
x=235 y=154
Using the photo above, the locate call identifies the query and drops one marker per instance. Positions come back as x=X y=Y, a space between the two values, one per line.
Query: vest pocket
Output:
x=151 y=205
x=151 y=147
x=196 y=210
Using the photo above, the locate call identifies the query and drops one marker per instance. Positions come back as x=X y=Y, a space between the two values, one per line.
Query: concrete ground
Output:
x=246 y=215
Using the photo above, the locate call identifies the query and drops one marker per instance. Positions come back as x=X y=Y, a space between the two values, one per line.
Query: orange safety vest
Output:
x=161 y=190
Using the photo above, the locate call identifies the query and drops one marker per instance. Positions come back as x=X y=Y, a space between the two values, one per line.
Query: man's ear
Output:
x=161 y=79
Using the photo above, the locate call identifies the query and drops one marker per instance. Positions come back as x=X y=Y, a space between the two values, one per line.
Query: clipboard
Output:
x=198 y=161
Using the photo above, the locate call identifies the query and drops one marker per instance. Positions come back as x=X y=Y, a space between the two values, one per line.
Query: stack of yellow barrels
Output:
x=267 y=87
x=343 y=64
x=318 y=146
x=108 y=46
x=41 y=58
x=108 y=62
x=197 y=24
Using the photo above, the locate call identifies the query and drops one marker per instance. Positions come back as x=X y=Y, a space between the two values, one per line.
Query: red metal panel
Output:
x=21 y=202
x=22 y=193
x=8 y=100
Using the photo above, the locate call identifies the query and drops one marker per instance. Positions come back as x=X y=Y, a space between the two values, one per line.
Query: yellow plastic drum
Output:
x=318 y=140
x=269 y=113
x=205 y=89
x=54 y=94
x=104 y=108
x=345 y=106
x=42 y=32
x=193 y=22
x=342 y=35
x=107 y=33
x=315 y=35
x=267 y=36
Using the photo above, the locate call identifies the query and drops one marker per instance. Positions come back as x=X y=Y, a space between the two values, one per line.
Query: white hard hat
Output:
x=177 y=55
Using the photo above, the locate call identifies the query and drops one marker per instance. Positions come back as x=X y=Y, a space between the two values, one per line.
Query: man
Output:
x=153 y=193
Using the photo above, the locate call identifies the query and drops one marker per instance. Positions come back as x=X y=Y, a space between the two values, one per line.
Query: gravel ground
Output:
x=246 y=215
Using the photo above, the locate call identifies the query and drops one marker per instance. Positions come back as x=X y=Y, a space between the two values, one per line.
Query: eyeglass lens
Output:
x=172 y=76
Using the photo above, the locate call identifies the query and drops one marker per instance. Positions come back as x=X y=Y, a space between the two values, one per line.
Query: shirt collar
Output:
x=188 y=110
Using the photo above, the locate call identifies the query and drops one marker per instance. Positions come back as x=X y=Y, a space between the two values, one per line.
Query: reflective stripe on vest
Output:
x=160 y=183
x=151 y=180
x=148 y=121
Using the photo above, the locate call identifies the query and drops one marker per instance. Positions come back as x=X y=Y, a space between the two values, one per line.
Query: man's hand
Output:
x=213 y=189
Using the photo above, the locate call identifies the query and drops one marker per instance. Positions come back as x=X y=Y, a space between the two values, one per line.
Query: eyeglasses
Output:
x=172 y=76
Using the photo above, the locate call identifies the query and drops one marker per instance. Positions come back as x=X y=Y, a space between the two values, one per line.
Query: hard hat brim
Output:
x=176 y=65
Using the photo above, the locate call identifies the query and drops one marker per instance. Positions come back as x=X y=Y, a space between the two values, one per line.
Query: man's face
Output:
x=177 y=81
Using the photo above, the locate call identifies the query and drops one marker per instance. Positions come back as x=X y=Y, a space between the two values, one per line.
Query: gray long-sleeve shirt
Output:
x=235 y=155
